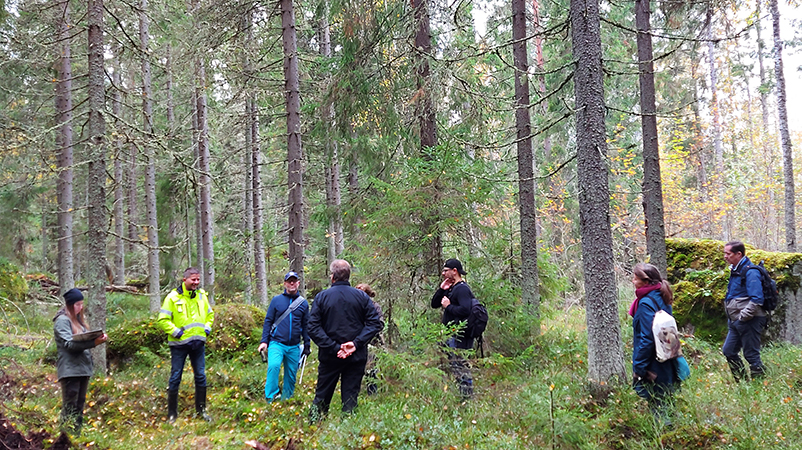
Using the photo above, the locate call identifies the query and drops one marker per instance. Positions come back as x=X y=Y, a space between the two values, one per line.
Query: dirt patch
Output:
x=12 y=439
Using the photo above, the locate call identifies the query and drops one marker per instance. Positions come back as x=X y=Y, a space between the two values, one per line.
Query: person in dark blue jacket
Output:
x=282 y=339
x=342 y=323
x=653 y=380
x=745 y=315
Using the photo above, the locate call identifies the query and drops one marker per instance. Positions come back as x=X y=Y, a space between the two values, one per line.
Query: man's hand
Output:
x=445 y=302
x=307 y=350
x=446 y=284
x=262 y=347
x=346 y=350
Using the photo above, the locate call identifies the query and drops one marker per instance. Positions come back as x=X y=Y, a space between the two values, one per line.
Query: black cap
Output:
x=455 y=264
x=73 y=296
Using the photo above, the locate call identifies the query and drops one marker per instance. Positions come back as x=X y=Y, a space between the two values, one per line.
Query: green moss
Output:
x=699 y=274
x=237 y=328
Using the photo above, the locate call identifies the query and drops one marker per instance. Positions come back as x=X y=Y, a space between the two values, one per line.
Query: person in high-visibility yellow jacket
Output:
x=187 y=318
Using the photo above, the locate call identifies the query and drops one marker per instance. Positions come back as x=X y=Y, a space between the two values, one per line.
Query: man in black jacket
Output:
x=342 y=322
x=455 y=296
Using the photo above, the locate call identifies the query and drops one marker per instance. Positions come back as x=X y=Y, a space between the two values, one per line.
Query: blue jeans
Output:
x=278 y=353
x=744 y=336
x=197 y=358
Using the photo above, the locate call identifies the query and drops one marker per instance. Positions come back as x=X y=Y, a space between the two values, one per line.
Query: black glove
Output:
x=307 y=350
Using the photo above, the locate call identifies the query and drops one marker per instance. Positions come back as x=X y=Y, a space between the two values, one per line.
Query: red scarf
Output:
x=639 y=294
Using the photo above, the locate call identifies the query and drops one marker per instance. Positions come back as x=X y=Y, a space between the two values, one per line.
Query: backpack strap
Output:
x=293 y=306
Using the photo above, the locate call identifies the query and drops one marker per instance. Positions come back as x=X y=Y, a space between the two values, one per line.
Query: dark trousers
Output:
x=459 y=366
x=73 y=399
x=349 y=373
x=197 y=358
x=744 y=336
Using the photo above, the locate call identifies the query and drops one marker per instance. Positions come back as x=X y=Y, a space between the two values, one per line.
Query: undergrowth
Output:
x=534 y=397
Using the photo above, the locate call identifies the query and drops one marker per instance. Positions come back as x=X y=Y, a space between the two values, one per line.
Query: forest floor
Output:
x=536 y=399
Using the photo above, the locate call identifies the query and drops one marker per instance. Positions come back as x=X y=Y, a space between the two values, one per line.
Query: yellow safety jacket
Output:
x=186 y=316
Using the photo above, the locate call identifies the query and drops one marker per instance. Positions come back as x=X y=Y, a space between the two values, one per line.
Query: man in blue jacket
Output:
x=342 y=322
x=286 y=322
x=745 y=316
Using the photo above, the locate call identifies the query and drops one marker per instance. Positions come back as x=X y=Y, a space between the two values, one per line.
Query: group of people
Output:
x=657 y=381
x=343 y=320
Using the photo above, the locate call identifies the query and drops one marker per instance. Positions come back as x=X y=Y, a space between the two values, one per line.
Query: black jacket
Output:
x=460 y=296
x=342 y=314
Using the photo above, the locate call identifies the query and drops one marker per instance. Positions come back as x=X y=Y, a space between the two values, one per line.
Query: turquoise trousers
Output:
x=277 y=354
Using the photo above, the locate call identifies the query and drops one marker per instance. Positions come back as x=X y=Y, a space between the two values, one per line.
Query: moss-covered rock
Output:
x=237 y=328
x=699 y=274
x=12 y=283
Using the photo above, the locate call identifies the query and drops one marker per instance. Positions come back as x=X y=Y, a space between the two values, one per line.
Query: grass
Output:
x=537 y=399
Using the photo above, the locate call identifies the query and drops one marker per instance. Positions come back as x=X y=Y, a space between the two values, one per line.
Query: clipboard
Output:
x=88 y=336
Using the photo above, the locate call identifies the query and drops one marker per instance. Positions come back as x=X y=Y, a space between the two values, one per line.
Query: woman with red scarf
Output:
x=653 y=380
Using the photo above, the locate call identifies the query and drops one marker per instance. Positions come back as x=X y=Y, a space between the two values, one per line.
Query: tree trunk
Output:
x=605 y=353
x=96 y=233
x=196 y=190
x=785 y=137
x=530 y=293
x=427 y=125
x=258 y=209
x=64 y=150
x=336 y=243
x=248 y=206
x=295 y=177
x=150 y=171
x=119 y=194
x=205 y=203
x=652 y=183
x=717 y=144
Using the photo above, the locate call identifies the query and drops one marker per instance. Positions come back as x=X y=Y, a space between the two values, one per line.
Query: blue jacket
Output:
x=744 y=298
x=745 y=283
x=293 y=327
x=644 y=357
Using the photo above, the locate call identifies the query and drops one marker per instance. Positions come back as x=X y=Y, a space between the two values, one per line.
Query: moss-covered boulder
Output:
x=12 y=283
x=237 y=328
x=699 y=274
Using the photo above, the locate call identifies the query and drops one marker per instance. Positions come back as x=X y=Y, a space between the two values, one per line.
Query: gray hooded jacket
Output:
x=74 y=359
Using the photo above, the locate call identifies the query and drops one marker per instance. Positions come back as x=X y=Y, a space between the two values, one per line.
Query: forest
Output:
x=550 y=146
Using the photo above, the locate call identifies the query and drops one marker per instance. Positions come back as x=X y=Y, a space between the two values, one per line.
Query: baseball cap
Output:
x=454 y=263
x=291 y=274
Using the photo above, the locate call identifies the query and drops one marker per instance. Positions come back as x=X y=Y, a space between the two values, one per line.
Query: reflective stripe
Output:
x=194 y=325
x=189 y=339
x=166 y=311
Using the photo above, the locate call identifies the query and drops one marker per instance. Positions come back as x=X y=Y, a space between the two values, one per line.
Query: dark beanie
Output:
x=73 y=296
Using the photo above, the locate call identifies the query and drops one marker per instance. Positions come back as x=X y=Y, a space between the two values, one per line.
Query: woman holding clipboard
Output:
x=73 y=341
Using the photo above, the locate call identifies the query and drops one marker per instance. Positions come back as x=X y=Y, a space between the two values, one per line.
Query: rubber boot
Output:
x=737 y=368
x=172 y=406
x=200 y=403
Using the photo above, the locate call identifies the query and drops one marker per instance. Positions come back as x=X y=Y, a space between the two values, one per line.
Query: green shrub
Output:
x=12 y=283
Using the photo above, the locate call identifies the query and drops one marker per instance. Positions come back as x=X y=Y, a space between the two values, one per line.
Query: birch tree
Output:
x=785 y=137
